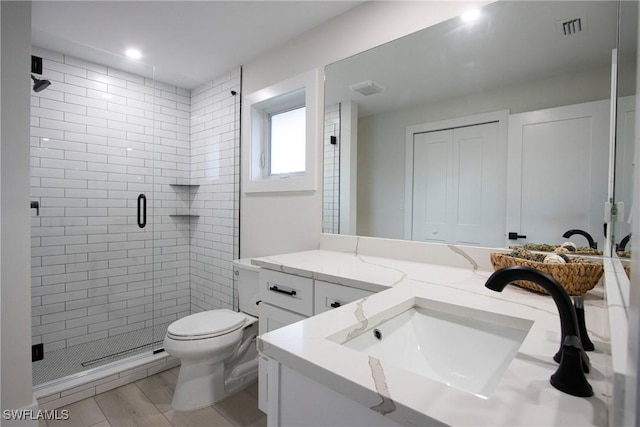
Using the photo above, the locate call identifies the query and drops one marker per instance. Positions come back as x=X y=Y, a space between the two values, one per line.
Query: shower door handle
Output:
x=142 y=211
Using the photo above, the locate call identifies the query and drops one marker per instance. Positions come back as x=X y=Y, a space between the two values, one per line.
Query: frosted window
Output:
x=287 y=137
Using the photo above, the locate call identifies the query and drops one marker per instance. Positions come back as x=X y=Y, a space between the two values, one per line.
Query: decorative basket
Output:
x=544 y=247
x=576 y=277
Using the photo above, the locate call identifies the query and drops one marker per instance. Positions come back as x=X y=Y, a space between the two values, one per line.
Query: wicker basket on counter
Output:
x=576 y=277
x=544 y=247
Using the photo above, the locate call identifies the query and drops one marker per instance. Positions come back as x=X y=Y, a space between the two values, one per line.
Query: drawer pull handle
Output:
x=335 y=304
x=275 y=289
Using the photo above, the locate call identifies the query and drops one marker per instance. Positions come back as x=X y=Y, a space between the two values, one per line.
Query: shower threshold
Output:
x=78 y=358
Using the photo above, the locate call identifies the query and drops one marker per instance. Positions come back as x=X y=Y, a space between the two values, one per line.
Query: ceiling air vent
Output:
x=367 y=87
x=572 y=26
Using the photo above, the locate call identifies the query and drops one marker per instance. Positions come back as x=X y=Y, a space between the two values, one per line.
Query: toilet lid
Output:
x=207 y=324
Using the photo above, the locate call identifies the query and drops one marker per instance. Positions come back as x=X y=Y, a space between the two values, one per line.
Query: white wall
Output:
x=14 y=181
x=381 y=140
x=279 y=223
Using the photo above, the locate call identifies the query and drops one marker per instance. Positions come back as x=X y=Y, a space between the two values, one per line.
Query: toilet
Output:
x=217 y=348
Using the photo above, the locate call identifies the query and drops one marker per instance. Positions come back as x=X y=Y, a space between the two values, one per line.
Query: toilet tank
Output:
x=246 y=279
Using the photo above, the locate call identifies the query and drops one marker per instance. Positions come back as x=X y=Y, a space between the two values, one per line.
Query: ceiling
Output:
x=184 y=43
x=510 y=43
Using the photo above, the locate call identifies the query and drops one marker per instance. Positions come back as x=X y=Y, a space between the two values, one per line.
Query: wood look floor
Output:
x=147 y=403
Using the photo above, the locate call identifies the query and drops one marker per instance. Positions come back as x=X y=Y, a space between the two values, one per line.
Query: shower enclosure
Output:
x=331 y=171
x=135 y=222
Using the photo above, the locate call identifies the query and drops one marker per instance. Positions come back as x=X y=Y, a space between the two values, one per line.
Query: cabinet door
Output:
x=272 y=318
x=263 y=383
x=330 y=295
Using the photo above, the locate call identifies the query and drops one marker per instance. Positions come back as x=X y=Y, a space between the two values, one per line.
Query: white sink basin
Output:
x=462 y=347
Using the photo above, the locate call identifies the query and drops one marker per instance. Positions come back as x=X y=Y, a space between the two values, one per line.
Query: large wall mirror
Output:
x=626 y=127
x=480 y=130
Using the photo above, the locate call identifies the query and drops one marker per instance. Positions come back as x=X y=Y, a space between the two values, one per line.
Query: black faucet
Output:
x=623 y=243
x=567 y=234
x=569 y=377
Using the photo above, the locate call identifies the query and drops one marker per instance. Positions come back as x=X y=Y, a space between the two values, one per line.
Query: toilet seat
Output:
x=206 y=324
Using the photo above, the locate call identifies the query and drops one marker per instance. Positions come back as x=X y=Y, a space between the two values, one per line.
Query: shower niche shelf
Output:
x=185 y=211
x=189 y=186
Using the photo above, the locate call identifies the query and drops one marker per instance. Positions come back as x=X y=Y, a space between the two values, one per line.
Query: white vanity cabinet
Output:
x=286 y=299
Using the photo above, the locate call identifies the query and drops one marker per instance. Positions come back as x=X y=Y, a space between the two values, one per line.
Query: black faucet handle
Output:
x=570 y=377
x=578 y=304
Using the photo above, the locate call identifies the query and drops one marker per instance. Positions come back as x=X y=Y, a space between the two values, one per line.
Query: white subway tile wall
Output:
x=331 y=180
x=99 y=138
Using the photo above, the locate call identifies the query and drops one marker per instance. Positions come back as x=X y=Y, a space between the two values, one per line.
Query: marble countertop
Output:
x=523 y=396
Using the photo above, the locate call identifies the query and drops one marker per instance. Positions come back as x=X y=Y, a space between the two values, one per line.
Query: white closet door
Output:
x=456 y=189
x=432 y=186
x=557 y=172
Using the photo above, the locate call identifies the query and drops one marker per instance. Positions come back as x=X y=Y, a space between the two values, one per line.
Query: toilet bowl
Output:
x=216 y=348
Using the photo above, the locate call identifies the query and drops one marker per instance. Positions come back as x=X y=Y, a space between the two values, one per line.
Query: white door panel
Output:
x=625 y=157
x=476 y=181
x=557 y=172
x=431 y=185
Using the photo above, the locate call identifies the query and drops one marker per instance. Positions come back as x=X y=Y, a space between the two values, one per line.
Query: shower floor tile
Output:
x=72 y=360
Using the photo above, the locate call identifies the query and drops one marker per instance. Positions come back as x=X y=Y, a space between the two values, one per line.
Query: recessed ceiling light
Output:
x=133 y=53
x=470 y=15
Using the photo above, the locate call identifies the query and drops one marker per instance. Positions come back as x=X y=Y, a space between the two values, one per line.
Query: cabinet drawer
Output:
x=290 y=292
x=330 y=295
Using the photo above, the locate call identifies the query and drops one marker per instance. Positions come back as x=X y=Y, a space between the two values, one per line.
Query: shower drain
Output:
x=119 y=354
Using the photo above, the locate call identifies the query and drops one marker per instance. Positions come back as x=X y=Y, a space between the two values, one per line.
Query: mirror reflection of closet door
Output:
x=456 y=186
x=432 y=185
x=625 y=157
x=557 y=172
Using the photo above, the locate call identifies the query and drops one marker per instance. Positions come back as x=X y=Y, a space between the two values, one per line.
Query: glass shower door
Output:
x=172 y=207
x=92 y=178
